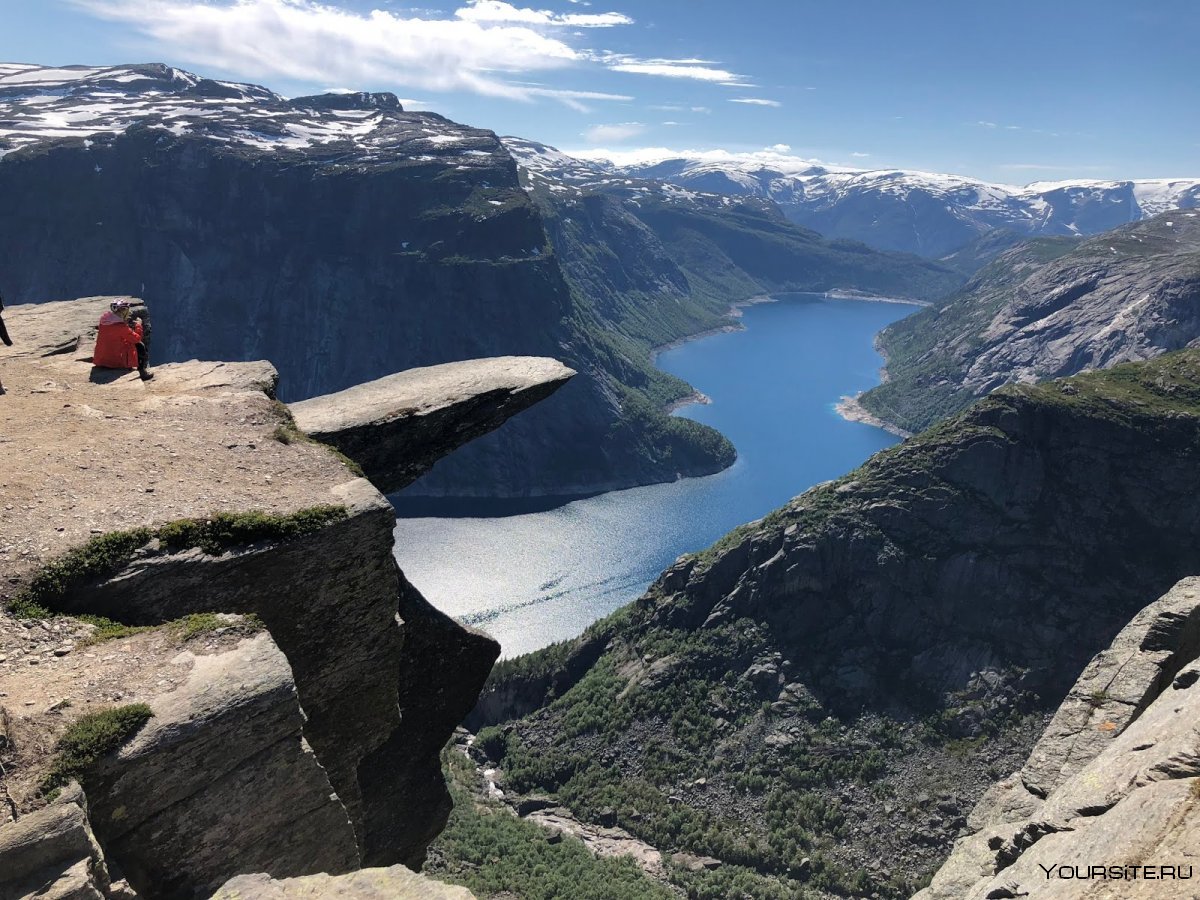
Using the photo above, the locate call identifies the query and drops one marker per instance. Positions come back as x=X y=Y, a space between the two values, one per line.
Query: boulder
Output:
x=221 y=781
x=393 y=883
x=52 y=853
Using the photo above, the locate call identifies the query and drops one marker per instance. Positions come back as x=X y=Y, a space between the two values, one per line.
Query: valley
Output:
x=537 y=577
x=840 y=682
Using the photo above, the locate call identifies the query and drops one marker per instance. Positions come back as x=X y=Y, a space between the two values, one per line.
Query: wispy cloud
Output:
x=772 y=157
x=599 y=134
x=497 y=11
x=857 y=155
x=1040 y=167
x=755 y=101
x=693 y=69
x=482 y=47
x=676 y=107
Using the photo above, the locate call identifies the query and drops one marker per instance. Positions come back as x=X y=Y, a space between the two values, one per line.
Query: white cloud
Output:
x=857 y=155
x=310 y=41
x=498 y=11
x=615 y=133
x=1038 y=167
x=771 y=157
x=781 y=148
x=755 y=101
x=693 y=69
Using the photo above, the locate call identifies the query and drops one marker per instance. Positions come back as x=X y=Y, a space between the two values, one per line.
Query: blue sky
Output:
x=1014 y=92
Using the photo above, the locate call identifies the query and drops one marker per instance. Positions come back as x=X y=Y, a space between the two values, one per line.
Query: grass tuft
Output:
x=90 y=738
x=199 y=624
x=221 y=531
x=99 y=557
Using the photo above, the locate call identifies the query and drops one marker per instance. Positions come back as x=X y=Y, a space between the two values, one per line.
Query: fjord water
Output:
x=534 y=578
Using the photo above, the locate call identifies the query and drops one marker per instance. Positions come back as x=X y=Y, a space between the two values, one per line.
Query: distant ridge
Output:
x=917 y=212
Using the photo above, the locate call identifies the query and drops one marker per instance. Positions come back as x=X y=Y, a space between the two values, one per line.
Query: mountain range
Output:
x=916 y=212
x=808 y=708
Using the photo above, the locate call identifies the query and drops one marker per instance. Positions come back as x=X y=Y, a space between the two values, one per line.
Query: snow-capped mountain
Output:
x=920 y=212
x=40 y=104
x=564 y=176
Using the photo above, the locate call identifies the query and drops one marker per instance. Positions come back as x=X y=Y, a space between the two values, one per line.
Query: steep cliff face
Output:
x=1106 y=803
x=344 y=239
x=295 y=689
x=1046 y=309
x=861 y=664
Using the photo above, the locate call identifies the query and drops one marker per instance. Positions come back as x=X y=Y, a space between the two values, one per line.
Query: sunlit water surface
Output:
x=535 y=578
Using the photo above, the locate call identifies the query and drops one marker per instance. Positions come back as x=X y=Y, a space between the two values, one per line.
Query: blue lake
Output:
x=535 y=578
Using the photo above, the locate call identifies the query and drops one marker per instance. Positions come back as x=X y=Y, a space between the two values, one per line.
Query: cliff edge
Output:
x=1106 y=804
x=205 y=627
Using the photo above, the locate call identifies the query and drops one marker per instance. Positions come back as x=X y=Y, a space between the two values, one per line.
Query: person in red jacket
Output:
x=119 y=343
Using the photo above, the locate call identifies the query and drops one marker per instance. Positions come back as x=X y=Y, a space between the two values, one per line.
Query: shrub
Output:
x=102 y=555
x=491 y=741
x=92 y=737
x=217 y=533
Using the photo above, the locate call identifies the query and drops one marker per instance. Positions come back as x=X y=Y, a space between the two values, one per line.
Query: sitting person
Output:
x=119 y=343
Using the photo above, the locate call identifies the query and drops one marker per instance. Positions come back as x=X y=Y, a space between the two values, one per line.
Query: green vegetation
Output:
x=199 y=624
x=679 y=682
x=91 y=737
x=552 y=660
x=184 y=629
x=99 y=557
x=1166 y=387
x=106 y=554
x=489 y=850
x=108 y=630
x=221 y=531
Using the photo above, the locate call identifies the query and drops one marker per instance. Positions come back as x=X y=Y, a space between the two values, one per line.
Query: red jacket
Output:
x=116 y=342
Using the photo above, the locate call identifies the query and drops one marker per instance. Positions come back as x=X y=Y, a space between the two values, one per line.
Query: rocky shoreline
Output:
x=852 y=411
